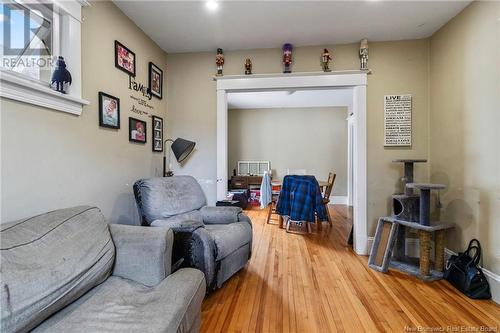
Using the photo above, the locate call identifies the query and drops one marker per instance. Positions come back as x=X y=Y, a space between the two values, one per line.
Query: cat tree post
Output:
x=405 y=205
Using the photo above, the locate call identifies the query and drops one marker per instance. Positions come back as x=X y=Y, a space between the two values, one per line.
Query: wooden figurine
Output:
x=219 y=61
x=248 y=66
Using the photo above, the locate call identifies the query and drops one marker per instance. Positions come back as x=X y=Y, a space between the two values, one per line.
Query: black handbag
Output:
x=463 y=272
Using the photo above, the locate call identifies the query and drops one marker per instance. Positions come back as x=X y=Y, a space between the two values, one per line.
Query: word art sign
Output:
x=397 y=120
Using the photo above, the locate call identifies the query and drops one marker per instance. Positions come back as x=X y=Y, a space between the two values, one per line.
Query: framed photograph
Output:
x=157 y=134
x=155 y=80
x=109 y=111
x=124 y=59
x=137 y=130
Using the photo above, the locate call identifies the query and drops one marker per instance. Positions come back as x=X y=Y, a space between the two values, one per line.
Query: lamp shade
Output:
x=182 y=148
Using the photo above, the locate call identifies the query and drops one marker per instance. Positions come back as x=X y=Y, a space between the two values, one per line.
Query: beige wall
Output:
x=314 y=139
x=465 y=126
x=52 y=159
x=398 y=68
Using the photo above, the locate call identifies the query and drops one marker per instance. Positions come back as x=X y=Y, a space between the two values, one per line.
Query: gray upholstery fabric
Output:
x=222 y=231
x=229 y=237
x=55 y=277
x=49 y=261
x=199 y=251
x=120 y=305
x=142 y=254
x=232 y=264
x=220 y=215
x=160 y=198
x=178 y=224
x=242 y=217
x=194 y=215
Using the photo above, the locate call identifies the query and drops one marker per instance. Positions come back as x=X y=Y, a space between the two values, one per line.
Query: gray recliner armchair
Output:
x=216 y=240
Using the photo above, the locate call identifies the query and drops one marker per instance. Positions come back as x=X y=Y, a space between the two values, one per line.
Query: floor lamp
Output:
x=181 y=148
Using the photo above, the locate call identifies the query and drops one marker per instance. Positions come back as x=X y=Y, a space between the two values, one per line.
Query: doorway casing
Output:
x=355 y=80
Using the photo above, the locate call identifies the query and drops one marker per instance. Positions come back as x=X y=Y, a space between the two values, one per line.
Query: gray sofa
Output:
x=216 y=240
x=68 y=271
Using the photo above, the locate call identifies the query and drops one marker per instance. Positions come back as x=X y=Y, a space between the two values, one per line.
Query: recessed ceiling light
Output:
x=212 y=5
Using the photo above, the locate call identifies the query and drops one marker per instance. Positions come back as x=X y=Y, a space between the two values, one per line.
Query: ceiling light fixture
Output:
x=212 y=5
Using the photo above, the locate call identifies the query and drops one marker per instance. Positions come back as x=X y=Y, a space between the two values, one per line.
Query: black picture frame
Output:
x=152 y=69
x=102 y=97
x=117 y=64
x=157 y=135
x=132 y=126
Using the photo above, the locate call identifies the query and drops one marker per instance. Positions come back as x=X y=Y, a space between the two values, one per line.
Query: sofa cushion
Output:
x=49 y=261
x=120 y=305
x=229 y=237
x=163 y=197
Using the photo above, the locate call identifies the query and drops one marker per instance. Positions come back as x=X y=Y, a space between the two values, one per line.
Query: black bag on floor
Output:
x=463 y=272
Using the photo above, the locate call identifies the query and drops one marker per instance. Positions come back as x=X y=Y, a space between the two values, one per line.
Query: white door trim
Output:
x=355 y=80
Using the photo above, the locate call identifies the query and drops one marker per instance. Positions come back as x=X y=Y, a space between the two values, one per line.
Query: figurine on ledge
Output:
x=287 y=58
x=248 y=66
x=219 y=61
x=363 y=54
x=61 y=78
x=325 y=60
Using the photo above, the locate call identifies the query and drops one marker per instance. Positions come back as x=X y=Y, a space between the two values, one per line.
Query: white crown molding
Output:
x=24 y=90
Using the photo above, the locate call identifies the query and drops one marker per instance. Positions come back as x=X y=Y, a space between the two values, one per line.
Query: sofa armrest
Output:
x=178 y=226
x=220 y=215
x=143 y=254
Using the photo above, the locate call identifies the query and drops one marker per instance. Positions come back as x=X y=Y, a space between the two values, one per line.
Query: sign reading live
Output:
x=397 y=120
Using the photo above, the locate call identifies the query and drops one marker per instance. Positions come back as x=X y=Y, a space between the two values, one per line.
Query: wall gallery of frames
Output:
x=109 y=106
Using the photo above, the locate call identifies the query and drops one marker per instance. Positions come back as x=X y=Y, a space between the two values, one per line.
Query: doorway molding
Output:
x=355 y=80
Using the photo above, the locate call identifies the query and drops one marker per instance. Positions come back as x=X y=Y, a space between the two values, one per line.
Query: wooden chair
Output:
x=327 y=193
x=272 y=206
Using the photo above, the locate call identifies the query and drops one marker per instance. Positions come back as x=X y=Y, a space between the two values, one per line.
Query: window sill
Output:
x=18 y=88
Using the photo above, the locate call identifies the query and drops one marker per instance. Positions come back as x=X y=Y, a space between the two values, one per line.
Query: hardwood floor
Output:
x=315 y=283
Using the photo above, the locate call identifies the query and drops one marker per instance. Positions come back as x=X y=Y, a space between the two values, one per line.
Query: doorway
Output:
x=353 y=81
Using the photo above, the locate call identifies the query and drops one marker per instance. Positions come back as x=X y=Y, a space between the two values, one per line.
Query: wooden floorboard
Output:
x=316 y=283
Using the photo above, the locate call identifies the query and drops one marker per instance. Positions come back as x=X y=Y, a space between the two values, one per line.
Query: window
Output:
x=30 y=38
x=253 y=168
x=33 y=33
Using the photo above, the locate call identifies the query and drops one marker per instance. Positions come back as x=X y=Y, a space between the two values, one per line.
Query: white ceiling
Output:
x=290 y=99
x=188 y=26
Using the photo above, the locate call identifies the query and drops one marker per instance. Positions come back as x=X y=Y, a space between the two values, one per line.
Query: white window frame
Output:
x=258 y=163
x=19 y=87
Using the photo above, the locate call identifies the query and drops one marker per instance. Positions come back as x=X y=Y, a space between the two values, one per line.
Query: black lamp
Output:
x=181 y=148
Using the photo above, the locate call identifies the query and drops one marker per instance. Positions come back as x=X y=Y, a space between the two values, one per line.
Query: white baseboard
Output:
x=339 y=200
x=413 y=250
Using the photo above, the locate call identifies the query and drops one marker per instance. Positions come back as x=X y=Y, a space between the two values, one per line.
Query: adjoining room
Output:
x=293 y=132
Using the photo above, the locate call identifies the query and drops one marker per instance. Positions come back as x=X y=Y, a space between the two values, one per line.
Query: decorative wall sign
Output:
x=397 y=120
x=109 y=111
x=137 y=130
x=139 y=87
x=124 y=58
x=139 y=111
x=157 y=134
x=155 y=81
